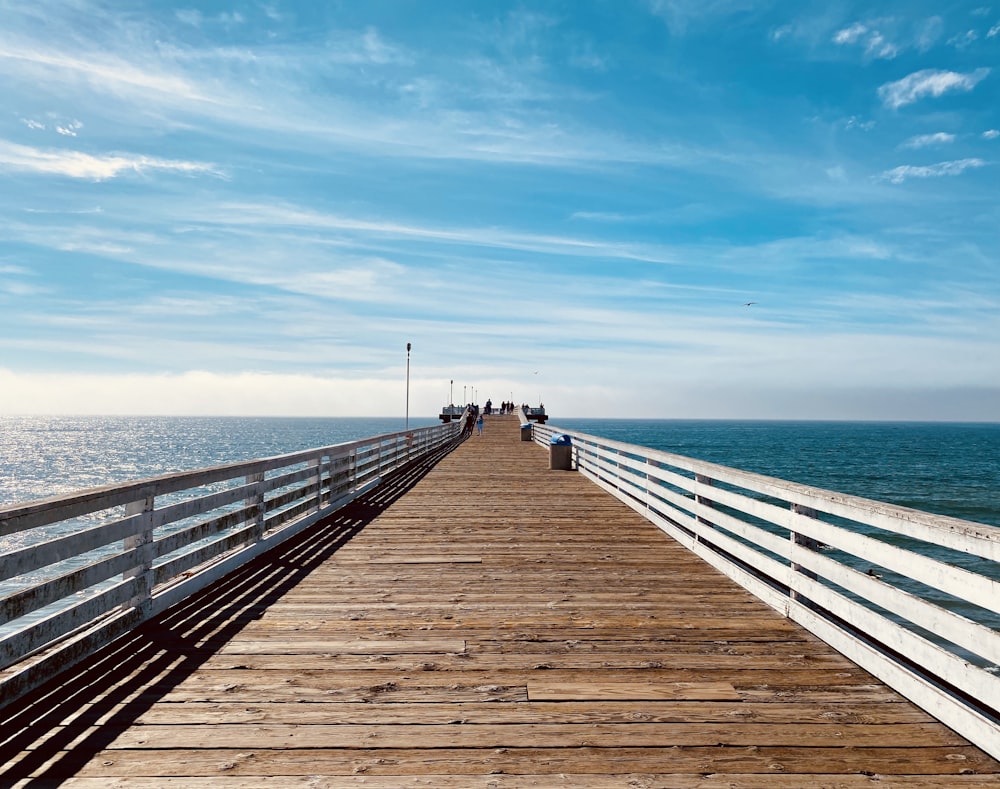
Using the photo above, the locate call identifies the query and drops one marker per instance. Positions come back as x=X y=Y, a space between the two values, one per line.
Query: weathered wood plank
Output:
x=804 y=762
x=622 y=689
x=553 y=781
x=876 y=714
x=604 y=735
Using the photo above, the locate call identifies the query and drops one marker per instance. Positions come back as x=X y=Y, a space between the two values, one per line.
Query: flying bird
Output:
x=749 y=303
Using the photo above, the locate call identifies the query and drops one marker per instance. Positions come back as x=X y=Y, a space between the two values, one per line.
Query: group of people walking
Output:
x=474 y=417
x=505 y=408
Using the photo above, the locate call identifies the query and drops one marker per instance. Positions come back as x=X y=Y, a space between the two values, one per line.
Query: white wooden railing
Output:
x=911 y=597
x=79 y=570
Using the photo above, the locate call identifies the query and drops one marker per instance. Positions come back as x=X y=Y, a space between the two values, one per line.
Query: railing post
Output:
x=257 y=507
x=806 y=542
x=142 y=543
x=317 y=464
x=703 y=502
x=329 y=481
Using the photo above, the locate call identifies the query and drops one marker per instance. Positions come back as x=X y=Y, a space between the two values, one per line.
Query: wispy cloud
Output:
x=106 y=71
x=928 y=82
x=76 y=164
x=70 y=129
x=875 y=42
x=925 y=140
x=291 y=216
x=898 y=175
x=963 y=40
x=991 y=134
x=679 y=14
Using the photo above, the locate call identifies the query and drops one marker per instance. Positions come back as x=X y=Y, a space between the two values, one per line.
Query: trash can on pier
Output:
x=560 y=452
x=526 y=431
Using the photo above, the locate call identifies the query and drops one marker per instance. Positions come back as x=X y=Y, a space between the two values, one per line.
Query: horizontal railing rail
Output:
x=913 y=598
x=79 y=570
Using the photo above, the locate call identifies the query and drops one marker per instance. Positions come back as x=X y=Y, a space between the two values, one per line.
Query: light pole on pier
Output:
x=408 y=386
x=451 y=390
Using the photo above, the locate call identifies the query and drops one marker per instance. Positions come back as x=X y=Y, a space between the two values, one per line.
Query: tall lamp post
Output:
x=408 y=386
x=451 y=392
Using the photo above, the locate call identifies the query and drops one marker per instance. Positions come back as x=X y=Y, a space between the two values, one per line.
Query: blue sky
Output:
x=251 y=207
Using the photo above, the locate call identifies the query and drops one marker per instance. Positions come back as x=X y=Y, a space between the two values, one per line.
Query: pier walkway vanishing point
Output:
x=478 y=620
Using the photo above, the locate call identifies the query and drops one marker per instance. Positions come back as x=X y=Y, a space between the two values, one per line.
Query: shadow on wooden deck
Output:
x=52 y=732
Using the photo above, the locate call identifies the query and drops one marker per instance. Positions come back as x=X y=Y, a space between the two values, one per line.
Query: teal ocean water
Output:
x=945 y=468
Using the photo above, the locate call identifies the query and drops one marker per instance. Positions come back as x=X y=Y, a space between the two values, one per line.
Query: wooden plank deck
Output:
x=499 y=625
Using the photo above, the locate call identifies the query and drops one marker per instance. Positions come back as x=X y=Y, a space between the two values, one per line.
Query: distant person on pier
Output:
x=470 y=420
x=479 y=424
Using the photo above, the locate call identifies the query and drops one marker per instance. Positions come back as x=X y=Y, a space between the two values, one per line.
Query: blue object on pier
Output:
x=560 y=440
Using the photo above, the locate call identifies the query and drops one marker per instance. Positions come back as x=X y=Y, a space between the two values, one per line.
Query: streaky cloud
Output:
x=928 y=82
x=898 y=175
x=925 y=140
x=76 y=164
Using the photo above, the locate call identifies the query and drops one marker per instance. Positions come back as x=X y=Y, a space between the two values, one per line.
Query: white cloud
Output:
x=32 y=124
x=928 y=82
x=854 y=123
x=924 y=140
x=991 y=134
x=262 y=215
x=106 y=249
x=876 y=44
x=962 y=40
x=898 y=175
x=878 y=47
x=781 y=32
x=104 y=71
x=850 y=35
x=200 y=392
x=76 y=164
x=69 y=129
x=994 y=31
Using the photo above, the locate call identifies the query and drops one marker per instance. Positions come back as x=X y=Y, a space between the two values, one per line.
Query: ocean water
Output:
x=48 y=456
x=945 y=468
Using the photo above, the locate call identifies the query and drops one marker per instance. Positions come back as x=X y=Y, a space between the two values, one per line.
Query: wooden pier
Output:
x=477 y=621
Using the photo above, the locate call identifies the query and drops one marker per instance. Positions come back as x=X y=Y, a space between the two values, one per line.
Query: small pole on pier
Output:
x=451 y=392
x=407 y=386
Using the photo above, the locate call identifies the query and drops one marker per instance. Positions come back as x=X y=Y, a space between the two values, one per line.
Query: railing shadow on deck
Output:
x=55 y=730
